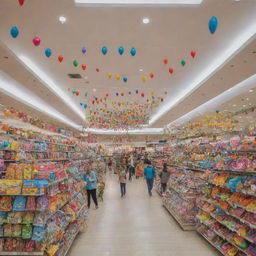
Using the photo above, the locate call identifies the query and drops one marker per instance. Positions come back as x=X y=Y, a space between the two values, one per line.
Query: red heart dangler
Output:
x=60 y=58
x=97 y=70
x=193 y=54
x=170 y=70
x=83 y=67
x=77 y=93
x=151 y=75
x=21 y=2
x=142 y=95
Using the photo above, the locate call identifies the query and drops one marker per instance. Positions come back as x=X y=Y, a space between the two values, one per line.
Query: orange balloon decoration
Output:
x=77 y=93
x=171 y=70
x=151 y=75
x=68 y=89
x=142 y=95
x=166 y=61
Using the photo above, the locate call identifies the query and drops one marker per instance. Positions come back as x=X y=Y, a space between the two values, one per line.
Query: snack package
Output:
x=31 y=203
x=27 y=231
x=14 y=217
x=30 y=246
x=20 y=247
x=52 y=250
x=3 y=217
x=10 y=244
x=19 y=204
x=8 y=230
x=28 y=218
x=38 y=234
x=1 y=244
x=42 y=203
x=1 y=231
x=5 y=203
x=16 y=230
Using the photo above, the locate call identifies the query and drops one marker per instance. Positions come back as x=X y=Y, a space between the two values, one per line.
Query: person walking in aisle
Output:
x=122 y=180
x=139 y=170
x=164 y=177
x=149 y=173
x=91 y=188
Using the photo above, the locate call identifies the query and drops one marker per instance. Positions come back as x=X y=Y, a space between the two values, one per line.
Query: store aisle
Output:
x=135 y=226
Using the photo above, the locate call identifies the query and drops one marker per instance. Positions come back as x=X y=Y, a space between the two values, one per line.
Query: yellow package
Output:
x=27 y=173
x=52 y=249
x=13 y=187
x=30 y=191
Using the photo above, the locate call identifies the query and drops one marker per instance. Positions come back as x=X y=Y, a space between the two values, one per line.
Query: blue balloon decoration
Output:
x=133 y=51
x=85 y=106
x=125 y=79
x=213 y=24
x=81 y=103
x=48 y=52
x=104 y=50
x=121 y=50
x=217 y=111
x=14 y=32
x=83 y=50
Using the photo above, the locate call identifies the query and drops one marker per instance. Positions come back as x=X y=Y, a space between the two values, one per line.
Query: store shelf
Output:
x=71 y=242
x=210 y=242
x=222 y=236
x=184 y=226
x=22 y=253
x=182 y=195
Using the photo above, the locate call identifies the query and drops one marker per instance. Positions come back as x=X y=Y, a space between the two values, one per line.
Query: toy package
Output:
x=5 y=203
x=19 y=204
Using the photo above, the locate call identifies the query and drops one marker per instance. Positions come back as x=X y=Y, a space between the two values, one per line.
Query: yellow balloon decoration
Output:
x=144 y=78
x=118 y=77
x=152 y=92
x=110 y=75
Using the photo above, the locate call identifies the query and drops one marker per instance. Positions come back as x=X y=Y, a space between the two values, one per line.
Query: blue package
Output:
x=35 y=183
x=3 y=217
x=38 y=234
x=1 y=230
x=19 y=204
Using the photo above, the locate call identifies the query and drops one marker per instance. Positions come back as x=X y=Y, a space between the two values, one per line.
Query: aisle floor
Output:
x=135 y=226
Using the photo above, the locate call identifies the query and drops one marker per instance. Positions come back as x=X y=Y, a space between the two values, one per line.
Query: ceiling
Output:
x=173 y=32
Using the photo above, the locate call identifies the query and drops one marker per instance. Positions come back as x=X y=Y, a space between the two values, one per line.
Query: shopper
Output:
x=122 y=180
x=149 y=173
x=91 y=187
x=139 y=170
x=164 y=177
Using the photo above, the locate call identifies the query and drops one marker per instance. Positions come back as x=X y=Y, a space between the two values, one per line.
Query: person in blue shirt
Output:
x=149 y=173
x=91 y=187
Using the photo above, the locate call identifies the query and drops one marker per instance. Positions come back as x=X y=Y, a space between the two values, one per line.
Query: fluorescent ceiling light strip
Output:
x=136 y=2
x=237 y=43
x=47 y=81
x=15 y=90
x=229 y=94
x=120 y=132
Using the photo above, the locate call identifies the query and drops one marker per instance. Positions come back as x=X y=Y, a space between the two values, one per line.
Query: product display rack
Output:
x=56 y=182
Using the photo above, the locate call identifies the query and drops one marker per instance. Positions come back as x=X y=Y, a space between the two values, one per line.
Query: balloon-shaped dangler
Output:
x=130 y=93
x=193 y=54
x=151 y=75
x=60 y=58
x=166 y=61
x=81 y=104
x=152 y=92
x=73 y=91
x=85 y=95
x=36 y=41
x=122 y=94
x=97 y=70
x=110 y=75
x=68 y=89
x=83 y=50
x=77 y=93
x=107 y=94
x=14 y=31
x=117 y=94
x=171 y=70
x=118 y=77
x=104 y=50
x=165 y=93
x=142 y=94
x=162 y=99
x=48 y=52
x=75 y=63
x=137 y=91
x=144 y=78
x=85 y=106
x=213 y=24
x=183 y=63
x=125 y=79
x=21 y=2
x=133 y=51
x=121 y=50
x=83 y=66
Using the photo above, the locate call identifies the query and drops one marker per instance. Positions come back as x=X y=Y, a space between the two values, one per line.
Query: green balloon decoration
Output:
x=73 y=91
x=183 y=63
x=75 y=63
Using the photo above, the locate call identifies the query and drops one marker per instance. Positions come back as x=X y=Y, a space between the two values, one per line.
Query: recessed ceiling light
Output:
x=247 y=99
x=62 y=19
x=244 y=106
x=141 y=69
x=251 y=90
x=234 y=105
x=94 y=90
x=146 y=20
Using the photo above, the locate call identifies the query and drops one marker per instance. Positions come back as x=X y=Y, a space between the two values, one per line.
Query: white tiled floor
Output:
x=136 y=226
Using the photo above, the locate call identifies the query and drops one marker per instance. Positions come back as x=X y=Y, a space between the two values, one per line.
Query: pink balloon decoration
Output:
x=36 y=41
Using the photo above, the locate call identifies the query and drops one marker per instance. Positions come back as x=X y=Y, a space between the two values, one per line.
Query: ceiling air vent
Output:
x=75 y=76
